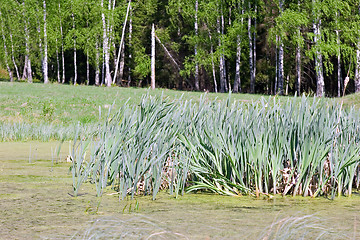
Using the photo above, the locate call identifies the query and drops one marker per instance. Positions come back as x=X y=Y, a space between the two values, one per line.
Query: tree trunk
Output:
x=130 y=45
x=38 y=28
x=254 y=46
x=87 y=68
x=75 y=58
x=13 y=58
x=106 y=47
x=5 y=51
x=251 y=55
x=121 y=42
x=153 y=57
x=197 y=87
x=320 y=85
x=57 y=62
x=357 y=67
x=281 y=68
x=212 y=64
x=97 y=64
x=276 y=66
x=298 y=70
x=237 y=81
x=122 y=64
x=28 y=69
x=338 y=64
x=62 y=48
x=221 y=62
x=45 y=67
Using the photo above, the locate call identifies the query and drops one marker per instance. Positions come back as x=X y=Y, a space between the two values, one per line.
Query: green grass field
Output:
x=65 y=104
x=23 y=102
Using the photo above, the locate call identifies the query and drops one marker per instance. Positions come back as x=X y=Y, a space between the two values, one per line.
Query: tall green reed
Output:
x=300 y=147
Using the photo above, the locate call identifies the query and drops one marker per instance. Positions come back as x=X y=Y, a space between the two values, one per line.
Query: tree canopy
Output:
x=256 y=46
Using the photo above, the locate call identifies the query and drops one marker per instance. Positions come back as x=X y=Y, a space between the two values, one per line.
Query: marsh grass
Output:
x=303 y=147
x=135 y=227
x=302 y=227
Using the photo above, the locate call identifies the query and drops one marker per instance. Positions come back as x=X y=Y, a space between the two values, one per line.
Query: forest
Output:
x=280 y=47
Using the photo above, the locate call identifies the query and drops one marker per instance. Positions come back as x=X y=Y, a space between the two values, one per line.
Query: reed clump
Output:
x=305 y=146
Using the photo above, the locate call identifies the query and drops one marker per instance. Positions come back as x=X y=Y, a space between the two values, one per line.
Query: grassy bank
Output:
x=66 y=104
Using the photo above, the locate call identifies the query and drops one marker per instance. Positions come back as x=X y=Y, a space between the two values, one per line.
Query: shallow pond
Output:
x=36 y=203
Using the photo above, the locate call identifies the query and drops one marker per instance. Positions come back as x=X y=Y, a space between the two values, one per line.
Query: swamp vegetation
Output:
x=303 y=147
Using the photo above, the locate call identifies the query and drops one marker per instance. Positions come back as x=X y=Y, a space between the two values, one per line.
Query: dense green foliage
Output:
x=234 y=40
x=309 y=149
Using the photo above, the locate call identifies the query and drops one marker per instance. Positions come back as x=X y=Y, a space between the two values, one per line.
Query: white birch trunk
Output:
x=38 y=28
x=130 y=45
x=106 y=47
x=57 y=61
x=28 y=69
x=281 y=59
x=276 y=66
x=281 y=68
x=122 y=41
x=221 y=60
x=5 y=51
x=62 y=47
x=320 y=85
x=212 y=64
x=122 y=64
x=254 y=46
x=75 y=58
x=197 y=87
x=87 y=68
x=237 y=81
x=357 y=67
x=251 y=56
x=46 y=78
x=222 y=55
x=153 y=57
x=338 y=60
x=298 y=61
x=298 y=70
x=97 y=64
x=13 y=58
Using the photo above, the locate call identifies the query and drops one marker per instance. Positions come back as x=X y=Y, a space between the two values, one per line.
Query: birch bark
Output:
x=251 y=55
x=298 y=69
x=57 y=61
x=106 y=47
x=45 y=64
x=197 y=87
x=121 y=41
x=212 y=64
x=281 y=59
x=27 y=68
x=130 y=45
x=338 y=59
x=13 y=58
x=75 y=58
x=237 y=81
x=97 y=64
x=357 y=67
x=320 y=85
x=62 y=47
x=153 y=57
